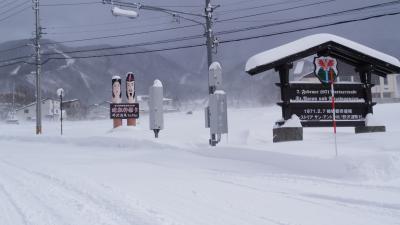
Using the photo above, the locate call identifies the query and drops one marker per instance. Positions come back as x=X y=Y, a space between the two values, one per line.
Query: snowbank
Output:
x=371 y=120
x=294 y=121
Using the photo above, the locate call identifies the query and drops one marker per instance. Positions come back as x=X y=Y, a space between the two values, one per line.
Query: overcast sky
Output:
x=66 y=23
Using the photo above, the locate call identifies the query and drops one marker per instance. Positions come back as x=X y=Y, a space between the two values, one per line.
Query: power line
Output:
x=179 y=6
x=14 y=14
x=13 y=48
x=71 y=4
x=194 y=37
x=224 y=12
x=240 y=39
x=14 y=7
x=16 y=58
x=275 y=11
x=106 y=30
x=165 y=41
x=8 y=3
x=308 y=18
x=125 y=53
x=121 y=35
x=235 y=3
x=137 y=33
x=100 y=24
x=311 y=27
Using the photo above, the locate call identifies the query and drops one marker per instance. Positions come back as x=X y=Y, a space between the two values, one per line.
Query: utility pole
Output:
x=209 y=39
x=38 y=33
x=208 y=15
x=216 y=116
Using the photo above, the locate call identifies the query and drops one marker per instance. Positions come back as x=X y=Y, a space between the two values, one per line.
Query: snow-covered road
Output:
x=93 y=175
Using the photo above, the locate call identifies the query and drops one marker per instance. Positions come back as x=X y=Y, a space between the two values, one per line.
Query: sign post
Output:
x=60 y=93
x=333 y=109
x=156 y=111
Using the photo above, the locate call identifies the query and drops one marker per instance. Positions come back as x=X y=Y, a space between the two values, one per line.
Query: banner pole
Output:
x=333 y=108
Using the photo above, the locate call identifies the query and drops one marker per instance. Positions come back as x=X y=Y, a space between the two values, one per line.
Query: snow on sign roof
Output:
x=312 y=41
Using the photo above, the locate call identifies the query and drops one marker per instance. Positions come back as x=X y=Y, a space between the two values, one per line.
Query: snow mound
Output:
x=371 y=120
x=294 y=121
x=215 y=66
x=157 y=83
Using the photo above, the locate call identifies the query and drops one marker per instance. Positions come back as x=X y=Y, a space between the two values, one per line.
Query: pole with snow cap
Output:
x=116 y=97
x=130 y=94
x=156 y=110
x=216 y=113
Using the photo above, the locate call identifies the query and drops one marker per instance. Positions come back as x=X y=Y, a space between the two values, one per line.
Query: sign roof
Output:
x=350 y=51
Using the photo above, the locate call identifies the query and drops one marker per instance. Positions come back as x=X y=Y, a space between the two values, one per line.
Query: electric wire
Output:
x=224 y=12
x=311 y=4
x=120 y=35
x=247 y=38
x=71 y=4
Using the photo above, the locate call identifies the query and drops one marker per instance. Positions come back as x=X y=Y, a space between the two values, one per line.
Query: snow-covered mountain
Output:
x=90 y=79
x=184 y=74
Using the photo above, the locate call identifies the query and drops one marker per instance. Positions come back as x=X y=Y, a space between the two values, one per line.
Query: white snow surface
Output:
x=98 y=175
x=310 y=42
x=371 y=120
x=294 y=121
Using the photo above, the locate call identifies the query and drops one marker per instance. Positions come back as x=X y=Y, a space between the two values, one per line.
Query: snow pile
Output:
x=215 y=66
x=371 y=120
x=157 y=83
x=294 y=121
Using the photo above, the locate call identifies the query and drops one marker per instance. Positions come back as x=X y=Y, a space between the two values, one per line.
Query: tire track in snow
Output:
x=32 y=207
x=107 y=210
x=338 y=203
x=17 y=210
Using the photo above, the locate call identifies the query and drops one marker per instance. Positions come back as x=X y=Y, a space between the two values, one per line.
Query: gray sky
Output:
x=65 y=23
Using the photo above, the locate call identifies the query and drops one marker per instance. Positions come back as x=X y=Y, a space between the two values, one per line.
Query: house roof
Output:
x=34 y=103
x=349 y=51
x=70 y=101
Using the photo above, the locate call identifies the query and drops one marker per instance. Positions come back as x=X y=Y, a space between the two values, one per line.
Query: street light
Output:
x=116 y=11
x=211 y=40
x=60 y=93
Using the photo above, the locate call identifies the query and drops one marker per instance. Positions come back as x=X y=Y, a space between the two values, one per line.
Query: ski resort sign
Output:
x=312 y=103
x=326 y=69
x=124 y=110
x=325 y=103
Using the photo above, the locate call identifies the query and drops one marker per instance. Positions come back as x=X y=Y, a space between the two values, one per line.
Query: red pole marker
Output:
x=332 y=78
